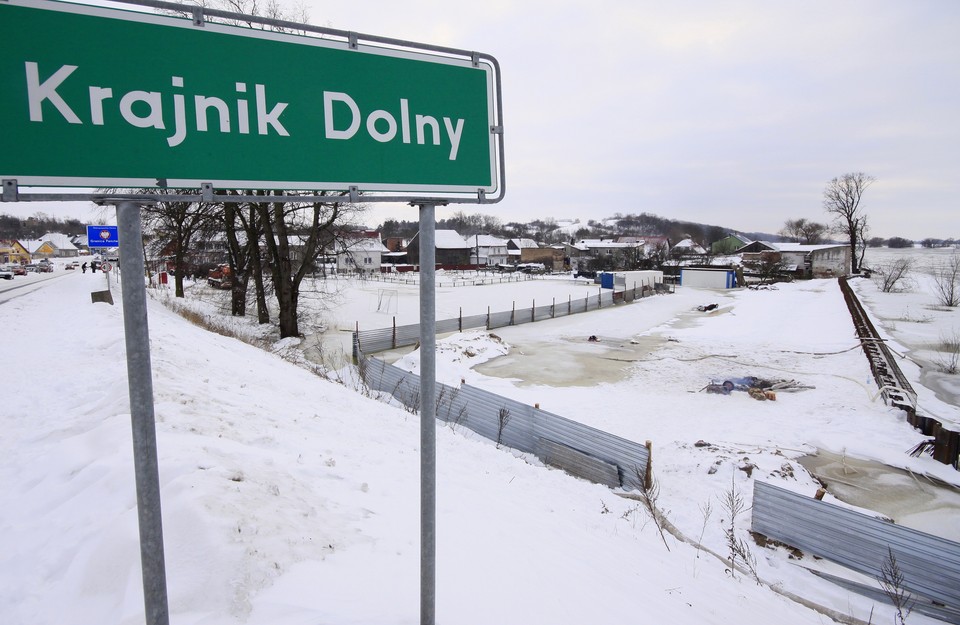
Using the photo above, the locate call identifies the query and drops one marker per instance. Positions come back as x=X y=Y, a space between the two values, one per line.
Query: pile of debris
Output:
x=759 y=388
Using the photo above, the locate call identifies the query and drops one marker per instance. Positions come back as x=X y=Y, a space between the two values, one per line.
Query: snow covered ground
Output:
x=289 y=499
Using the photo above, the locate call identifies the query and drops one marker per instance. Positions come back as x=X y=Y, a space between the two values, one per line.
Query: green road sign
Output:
x=100 y=97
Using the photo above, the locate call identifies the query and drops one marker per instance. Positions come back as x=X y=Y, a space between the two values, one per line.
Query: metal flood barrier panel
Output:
x=576 y=448
x=930 y=564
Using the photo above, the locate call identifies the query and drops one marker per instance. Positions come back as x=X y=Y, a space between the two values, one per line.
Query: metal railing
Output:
x=383 y=339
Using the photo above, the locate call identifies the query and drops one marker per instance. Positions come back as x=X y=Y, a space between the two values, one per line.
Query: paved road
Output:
x=21 y=285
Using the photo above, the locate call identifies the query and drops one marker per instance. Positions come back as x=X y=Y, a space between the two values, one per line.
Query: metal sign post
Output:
x=428 y=409
x=140 y=383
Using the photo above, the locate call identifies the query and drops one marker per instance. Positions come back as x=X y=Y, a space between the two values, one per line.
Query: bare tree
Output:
x=946 y=281
x=891 y=581
x=889 y=275
x=804 y=231
x=295 y=234
x=244 y=231
x=842 y=199
x=175 y=226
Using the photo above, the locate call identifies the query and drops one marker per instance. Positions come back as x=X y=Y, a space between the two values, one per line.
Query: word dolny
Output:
x=380 y=125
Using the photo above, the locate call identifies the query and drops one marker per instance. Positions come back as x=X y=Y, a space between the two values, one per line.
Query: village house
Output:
x=362 y=255
x=514 y=247
x=550 y=257
x=452 y=251
x=487 y=250
x=13 y=252
x=687 y=247
x=51 y=245
x=807 y=261
x=729 y=244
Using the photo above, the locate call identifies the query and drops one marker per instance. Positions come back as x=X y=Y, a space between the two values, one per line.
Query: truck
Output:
x=220 y=277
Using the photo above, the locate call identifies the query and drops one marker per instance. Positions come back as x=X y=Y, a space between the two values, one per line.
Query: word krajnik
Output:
x=38 y=92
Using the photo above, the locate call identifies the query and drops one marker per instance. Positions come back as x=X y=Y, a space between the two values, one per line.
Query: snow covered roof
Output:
x=485 y=240
x=365 y=244
x=450 y=240
x=803 y=247
x=525 y=243
x=31 y=245
x=61 y=241
x=606 y=244
x=797 y=247
x=690 y=244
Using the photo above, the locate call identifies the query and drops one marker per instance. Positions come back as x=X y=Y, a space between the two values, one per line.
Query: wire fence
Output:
x=383 y=339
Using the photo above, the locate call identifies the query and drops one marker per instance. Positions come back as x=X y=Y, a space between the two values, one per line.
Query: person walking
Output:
x=83 y=267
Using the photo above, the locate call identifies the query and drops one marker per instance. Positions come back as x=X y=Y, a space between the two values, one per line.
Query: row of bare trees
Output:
x=276 y=244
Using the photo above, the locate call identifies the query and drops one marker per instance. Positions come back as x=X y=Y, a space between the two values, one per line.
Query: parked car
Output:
x=32 y=267
x=45 y=267
x=17 y=269
x=6 y=274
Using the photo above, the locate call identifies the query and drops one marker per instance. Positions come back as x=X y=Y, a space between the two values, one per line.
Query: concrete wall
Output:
x=708 y=278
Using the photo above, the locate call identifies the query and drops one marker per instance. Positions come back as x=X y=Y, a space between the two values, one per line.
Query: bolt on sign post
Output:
x=102 y=97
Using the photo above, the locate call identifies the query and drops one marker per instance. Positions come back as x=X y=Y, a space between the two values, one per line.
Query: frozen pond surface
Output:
x=910 y=500
x=571 y=361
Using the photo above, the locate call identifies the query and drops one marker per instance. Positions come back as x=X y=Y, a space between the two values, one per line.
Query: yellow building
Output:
x=13 y=252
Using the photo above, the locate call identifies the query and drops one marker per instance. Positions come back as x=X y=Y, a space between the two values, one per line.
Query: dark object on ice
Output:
x=593 y=338
x=720 y=389
x=707 y=307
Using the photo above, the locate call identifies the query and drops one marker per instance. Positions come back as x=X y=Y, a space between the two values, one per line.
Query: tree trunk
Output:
x=238 y=295
x=852 y=231
x=288 y=312
x=263 y=313
x=180 y=263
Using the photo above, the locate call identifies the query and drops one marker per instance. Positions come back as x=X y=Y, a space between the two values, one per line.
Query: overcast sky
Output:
x=729 y=113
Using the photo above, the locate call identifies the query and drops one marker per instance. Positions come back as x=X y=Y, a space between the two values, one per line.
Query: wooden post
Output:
x=648 y=472
x=939 y=448
x=393 y=340
x=533 y=311
x=488 y=318
x=513 y=313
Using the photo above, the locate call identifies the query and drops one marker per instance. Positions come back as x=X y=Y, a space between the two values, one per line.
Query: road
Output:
x=21 y=285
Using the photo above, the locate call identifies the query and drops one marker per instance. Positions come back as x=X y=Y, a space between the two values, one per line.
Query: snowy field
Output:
x=290 y=499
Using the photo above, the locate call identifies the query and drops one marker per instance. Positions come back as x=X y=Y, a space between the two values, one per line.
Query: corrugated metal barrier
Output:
x=930 y=564
x=576 y=448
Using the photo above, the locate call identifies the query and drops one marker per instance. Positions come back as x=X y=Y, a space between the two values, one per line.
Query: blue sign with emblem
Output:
x=103 y=236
